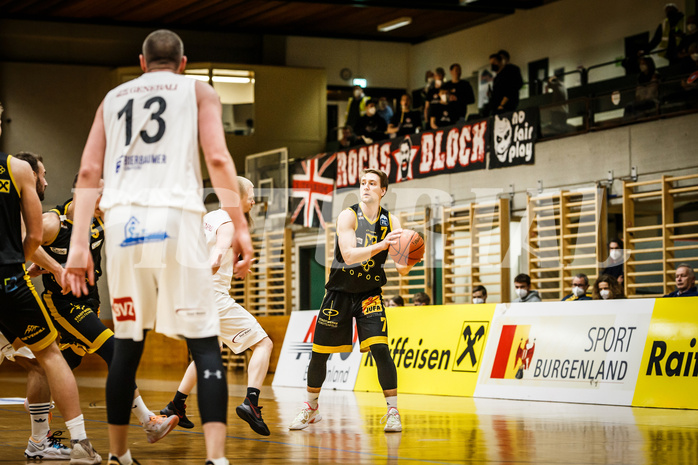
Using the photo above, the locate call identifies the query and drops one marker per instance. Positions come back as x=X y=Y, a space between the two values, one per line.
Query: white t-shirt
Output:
x=152 y=152
x=224 y=276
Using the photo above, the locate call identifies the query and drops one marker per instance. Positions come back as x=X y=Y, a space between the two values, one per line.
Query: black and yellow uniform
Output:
x=354 y=291
x=78 y=317
x=22 y=315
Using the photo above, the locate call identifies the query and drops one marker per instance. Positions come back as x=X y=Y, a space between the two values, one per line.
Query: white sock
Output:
x=140 y=410
x=220 y=461
x=312 y=399
x=391 y=401
x=40 y=414
x=124 y=459
x=76 y=426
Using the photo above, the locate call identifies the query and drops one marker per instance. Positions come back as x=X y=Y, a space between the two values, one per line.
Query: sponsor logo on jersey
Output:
x=371 y=305
x=136 y=162
x=384 y=220
x=2 y=169
x=4 y=186
x=134 y=234
x=59 y=250
x=96 y=244
x=123 y=309
x=241 y=334
x=31 y=330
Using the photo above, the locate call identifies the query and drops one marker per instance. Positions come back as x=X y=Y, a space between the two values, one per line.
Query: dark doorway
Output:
x=537 y=72
x=633 y=44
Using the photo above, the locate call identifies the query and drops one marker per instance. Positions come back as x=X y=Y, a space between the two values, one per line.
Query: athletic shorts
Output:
x=239 y=329
x=78 y=323
x=8 y=352
x=22 y=315
x=334 y=327
x=158 y=273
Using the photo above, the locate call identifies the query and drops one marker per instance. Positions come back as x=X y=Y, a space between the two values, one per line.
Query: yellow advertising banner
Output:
x=669 y=370
x=436 y=349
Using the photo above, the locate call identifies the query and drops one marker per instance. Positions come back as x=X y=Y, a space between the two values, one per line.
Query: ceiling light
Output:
x=232 y=79
x=394 y=24
x=361 y=82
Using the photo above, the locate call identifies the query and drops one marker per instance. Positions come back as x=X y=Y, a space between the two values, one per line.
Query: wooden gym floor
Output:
x=437 y=430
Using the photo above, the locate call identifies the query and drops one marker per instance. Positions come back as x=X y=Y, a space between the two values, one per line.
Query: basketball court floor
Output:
x=436 y=429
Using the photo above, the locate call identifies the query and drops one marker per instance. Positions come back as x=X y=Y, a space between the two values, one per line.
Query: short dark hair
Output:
x=584 y=277
x=421 y=297
x=453 y=66
x=383 y=177
x=163 y=47
x=482 y=289
x=31 y=158
x=523 y=278
x=496 y=56
x=504 y=54
x=617 y=241
x=440 y=71
x=399 y=301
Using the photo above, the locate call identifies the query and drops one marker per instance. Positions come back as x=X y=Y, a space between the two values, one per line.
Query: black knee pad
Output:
x=71 y=358
x=387 y=373
x=212 y=385
x=317 y=369
x=121 y=379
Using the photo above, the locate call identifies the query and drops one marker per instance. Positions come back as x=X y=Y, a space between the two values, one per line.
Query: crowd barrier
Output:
x=639 y=352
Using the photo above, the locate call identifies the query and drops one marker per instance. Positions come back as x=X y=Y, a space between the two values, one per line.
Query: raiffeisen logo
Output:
x=674 y=360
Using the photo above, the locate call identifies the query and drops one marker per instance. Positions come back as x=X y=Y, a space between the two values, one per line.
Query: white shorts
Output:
x=239 y=329
x=8 y=352
x=158 y=273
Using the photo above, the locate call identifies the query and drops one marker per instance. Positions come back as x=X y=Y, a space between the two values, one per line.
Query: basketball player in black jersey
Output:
x=364 y=234
x=22 y=315
x=77 y=318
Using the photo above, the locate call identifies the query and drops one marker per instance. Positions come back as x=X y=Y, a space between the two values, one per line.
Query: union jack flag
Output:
x=312 y=187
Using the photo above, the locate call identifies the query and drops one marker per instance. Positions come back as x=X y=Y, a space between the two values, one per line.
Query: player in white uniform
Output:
x=145 y=143
x=239 y=329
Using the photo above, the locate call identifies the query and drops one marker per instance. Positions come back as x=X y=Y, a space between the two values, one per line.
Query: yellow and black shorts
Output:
x=334 y=328
x=22 y=315
x=78 y=323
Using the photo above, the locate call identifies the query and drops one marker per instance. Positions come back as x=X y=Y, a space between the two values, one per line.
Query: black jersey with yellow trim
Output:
x=369 y=274
x=11 y=248
x=60 y=245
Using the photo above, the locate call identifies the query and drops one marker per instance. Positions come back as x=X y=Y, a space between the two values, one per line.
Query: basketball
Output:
x=409 y=248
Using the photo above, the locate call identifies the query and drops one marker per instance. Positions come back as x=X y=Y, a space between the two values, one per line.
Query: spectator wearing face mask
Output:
x=433 y=92
x=522 y=285
x=384 y=110
x=685 y=282
x=461 y=92
x=580 y=285
x=405 y=121
x=615 y=261
x=506 y=84
x=444 y=112
x=371 y=127
x=607 y=288
x=356 y=106
x=479 y=295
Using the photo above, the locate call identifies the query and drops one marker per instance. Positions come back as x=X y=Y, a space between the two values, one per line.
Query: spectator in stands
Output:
x=691 y=37
x=506 y=84
x=522 y=285
x=607 y=288
x=421 y=98
x=461 y=92
x=615 y=261
x=479 y=295
x=685 y=282
x=580 y=286
x=371 y=127
x=421 y=298
x=647 y=90
x=385 y=111
x=558 y=114
x=442 y=113
x=396 y=301
x=348 y=138
x=356 y=106
x=405 y=121
x=433 y=92
x=668 y=34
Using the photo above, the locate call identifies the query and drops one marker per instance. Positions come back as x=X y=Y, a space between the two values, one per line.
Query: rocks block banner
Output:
x=513 y=138
x=463 y=147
